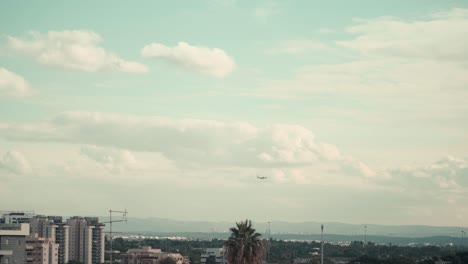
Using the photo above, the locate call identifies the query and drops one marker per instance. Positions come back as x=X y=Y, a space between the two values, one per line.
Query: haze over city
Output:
x=353 y=111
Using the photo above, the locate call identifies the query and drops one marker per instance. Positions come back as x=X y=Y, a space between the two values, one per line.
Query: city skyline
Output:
x=354 y=112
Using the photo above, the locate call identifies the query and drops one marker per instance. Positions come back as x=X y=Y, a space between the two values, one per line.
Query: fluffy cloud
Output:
x=72 y=49
x=430 y=189
x=12 y=84
x=442 y=36
x=112 y=159
x=15 y=162
x=214 y=62
x=189 y=141
x=449 y=174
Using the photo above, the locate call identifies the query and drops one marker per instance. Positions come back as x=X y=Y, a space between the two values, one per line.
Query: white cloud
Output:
x=449 y=174
x=115 y=160
x=442 y=36
x=189 y=141
x=210 y=61
x=12 y=84
x=388 y=55
x=15 y=162
x=72 y=49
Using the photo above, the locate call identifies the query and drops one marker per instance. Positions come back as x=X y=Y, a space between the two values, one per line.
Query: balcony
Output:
x=6 y=252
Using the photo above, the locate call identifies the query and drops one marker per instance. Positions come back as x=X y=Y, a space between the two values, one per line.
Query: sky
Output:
x=355 y=111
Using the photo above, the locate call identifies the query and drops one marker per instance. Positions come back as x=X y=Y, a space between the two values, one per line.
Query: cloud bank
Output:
x=190 y=141
x=15 y=162
x=72 y=49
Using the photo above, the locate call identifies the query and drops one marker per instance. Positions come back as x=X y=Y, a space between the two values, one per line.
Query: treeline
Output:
x=453 y=258
x=285 y=252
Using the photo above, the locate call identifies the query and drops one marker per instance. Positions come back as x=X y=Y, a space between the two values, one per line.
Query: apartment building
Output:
x=42 y=226
x=13 y=243
x=15 y=217
x=86 y=240
x=52 y=227
x=41 y=250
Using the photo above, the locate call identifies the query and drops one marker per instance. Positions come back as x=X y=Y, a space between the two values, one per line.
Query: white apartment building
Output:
x=216 y=253
x=86 y=240
x=41 y=250
x=12 y=243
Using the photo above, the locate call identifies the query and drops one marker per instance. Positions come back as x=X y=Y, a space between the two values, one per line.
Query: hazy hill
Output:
x=161 y=225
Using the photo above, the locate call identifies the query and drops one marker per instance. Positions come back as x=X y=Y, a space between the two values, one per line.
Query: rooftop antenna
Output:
x=123 y=219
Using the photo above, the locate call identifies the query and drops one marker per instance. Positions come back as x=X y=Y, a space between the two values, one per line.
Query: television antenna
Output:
x=123 y=219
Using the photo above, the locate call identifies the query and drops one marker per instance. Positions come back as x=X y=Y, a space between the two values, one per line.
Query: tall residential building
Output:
x=62 y=239
x=12 y=243
x=86 y=240
x=53 y=227
x=42 y=226
x=41 y=250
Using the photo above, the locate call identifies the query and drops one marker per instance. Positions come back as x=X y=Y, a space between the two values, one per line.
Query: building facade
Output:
x=13 y=243
x=148 y=255
x=217 y=254
x=42 y=226
x=52 y=227
x=41 y=250
x=15 y=217
x=86 y=240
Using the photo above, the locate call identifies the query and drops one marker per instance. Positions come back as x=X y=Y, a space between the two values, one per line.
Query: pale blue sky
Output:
x=345 y=100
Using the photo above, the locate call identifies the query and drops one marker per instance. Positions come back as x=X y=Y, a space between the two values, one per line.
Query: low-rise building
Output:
x=148 y=255
x=217 y=254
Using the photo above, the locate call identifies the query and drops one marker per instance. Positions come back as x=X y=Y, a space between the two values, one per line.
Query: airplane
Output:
x=261 y=177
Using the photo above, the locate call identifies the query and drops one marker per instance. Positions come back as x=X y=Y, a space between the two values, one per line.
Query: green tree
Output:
x=168 y=260
x=244 y=246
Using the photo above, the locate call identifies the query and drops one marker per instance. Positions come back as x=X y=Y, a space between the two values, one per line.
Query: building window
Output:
x=6 y=241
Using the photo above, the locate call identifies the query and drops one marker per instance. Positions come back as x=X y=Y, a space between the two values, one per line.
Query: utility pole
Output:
x=124 y=219
x=321 y=250
x=365 y=239
x=269 y=243
x=462 y=239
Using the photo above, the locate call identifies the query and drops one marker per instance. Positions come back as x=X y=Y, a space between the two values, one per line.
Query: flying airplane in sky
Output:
x=261 y=177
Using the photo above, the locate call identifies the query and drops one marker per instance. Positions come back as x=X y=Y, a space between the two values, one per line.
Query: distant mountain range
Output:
x=280 y=228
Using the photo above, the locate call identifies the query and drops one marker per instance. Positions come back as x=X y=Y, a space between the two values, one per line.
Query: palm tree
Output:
x=244 y=246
